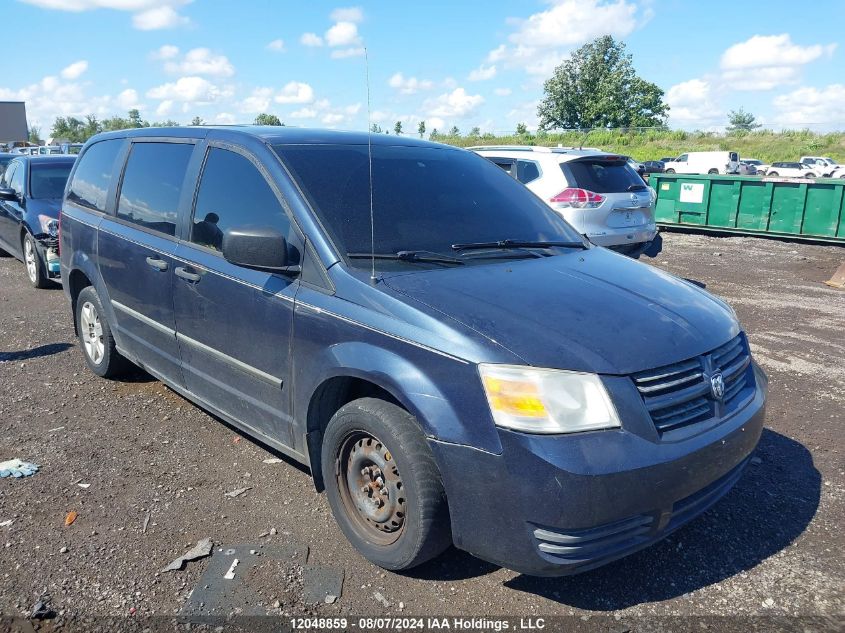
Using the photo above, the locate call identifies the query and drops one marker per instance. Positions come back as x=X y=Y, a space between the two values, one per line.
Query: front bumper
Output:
x=48 y=249
x=560 y=505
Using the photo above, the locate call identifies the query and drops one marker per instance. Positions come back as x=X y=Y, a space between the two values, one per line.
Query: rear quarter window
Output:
x=602 y=176
x=91 y=180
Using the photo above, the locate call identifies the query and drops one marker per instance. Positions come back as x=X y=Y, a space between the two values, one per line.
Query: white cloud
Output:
x=540 y=42
x=164 y=108
x=128 y=99
x=277 y=46
x=343 y=34
x=763 y=62
x=455 y=104
x=343 y=53
x=809 y=106
x=295 y=92
x=691 y=104
x=258 y=101
x=188 y=89
x=502 y=92
x=347 y=14
x=304 y=113
x=483 y=73
x=148 y=14
x=225 y=118
x=165 y=17
x=409 y=85
x=168 y=51
x=332 y=118
x=311 y=39
x=200 y=61
x=75 y=70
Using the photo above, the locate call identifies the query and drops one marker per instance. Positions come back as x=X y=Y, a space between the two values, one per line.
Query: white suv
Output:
x=597 y=193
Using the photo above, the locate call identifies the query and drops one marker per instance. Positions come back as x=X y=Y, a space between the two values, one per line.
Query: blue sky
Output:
x=471 y=63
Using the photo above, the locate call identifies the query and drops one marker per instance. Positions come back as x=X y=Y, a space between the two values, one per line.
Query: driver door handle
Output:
x=158 y=264
x=187 y=275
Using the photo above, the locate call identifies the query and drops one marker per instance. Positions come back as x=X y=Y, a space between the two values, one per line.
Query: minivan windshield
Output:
x=424 y=199
x=47 y=180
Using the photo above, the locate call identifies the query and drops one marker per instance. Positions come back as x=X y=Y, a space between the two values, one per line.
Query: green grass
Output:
x=766 y=145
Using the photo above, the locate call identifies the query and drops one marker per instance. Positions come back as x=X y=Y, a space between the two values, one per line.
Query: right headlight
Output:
x=550 y=401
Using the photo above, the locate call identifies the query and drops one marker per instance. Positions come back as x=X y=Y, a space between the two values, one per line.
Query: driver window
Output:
x=221 y=206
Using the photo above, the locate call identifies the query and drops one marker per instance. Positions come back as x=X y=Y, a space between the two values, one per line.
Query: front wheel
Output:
x=773 y=174
x=35 y=269
x=670 y=171
x=713 y=171
x=383 y=485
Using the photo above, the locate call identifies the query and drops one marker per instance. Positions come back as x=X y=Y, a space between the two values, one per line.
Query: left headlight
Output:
x=49 y=225
x=549 y=401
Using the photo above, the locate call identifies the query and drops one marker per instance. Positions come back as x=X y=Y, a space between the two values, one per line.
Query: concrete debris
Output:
x=838 y=279
x=6 y=523
x=200 y=550
x=17 y=468
x=321 y=585
x=236 y=493
x=230 y=575
x=272 y=460
x=380 y=598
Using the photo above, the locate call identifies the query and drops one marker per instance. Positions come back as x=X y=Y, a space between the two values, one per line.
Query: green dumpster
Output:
x=810 y=209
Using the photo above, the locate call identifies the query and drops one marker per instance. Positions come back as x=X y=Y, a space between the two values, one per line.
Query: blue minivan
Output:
x=453 y=362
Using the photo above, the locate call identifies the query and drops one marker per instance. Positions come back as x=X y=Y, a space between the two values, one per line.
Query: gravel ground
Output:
x=772 y=547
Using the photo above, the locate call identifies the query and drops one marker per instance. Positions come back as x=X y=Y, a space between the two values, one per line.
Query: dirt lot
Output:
x=774 y=546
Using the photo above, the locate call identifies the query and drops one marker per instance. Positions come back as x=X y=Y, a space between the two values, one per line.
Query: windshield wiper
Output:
x=410 y=256
x=636 y=187
x=507 y=244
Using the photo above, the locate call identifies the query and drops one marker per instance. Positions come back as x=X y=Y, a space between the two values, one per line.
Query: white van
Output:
x=704 y=163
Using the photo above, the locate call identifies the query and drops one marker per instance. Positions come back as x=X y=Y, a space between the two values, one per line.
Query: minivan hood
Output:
x=591 y=310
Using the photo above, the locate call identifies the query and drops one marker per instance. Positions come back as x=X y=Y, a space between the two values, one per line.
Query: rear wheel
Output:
x=670 y=171
x=772 y=173
x=35 y=269
x=95 y=336
x=713 y=171
x=383 y=485
x=811 y=175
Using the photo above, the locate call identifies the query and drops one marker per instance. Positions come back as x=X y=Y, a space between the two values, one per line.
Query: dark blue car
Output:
x=452 y=360
x=31 y=190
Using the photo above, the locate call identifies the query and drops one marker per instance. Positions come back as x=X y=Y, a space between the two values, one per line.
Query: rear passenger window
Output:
x=92 y=178
x=526 y=171
x=152 y=185
x=233 y=193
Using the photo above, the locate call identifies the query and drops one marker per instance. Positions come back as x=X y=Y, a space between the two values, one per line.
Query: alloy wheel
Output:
x=91 y=330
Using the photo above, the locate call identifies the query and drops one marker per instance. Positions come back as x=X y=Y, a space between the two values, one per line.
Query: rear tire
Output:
x=383 y=485
x=95 y=337
x=670 y=171
x=773 y=174
x=36 y=271
x=713 y=171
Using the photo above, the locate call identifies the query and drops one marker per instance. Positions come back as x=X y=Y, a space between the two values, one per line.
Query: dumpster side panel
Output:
x=787 y=207
x=724 y=200
x=754 y=206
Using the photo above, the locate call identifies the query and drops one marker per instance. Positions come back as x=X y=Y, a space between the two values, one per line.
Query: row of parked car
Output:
x=412 y=323
x=730 y=163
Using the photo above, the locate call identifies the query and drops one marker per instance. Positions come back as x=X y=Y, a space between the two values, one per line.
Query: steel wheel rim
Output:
x=371 y=488
x=30 y=260
x=91 y=331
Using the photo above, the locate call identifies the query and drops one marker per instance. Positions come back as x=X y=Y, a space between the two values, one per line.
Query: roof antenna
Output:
x=373 y=279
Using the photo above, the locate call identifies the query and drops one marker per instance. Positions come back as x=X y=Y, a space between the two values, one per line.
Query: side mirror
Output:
x=261 y=248
x=8 y=194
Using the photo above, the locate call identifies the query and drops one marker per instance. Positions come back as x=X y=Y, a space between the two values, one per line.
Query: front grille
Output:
x=680 y=394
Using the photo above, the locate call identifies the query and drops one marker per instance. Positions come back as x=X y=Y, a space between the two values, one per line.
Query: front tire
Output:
x=773 y=174
x=713 y=172
x=95 y=336
x=35 y=269
x=383 y=485
x=670 y=171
